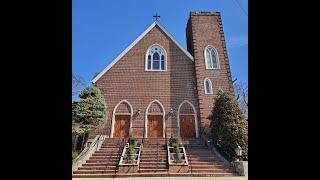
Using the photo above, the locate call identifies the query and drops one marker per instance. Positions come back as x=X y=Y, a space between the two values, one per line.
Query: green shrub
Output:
x=173 y=141
x=75 y=154
x=228 y=125
x=132 y=140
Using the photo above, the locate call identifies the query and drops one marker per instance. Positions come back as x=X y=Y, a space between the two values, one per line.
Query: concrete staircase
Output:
x=203 y=162
x=154 y=159
x=103 y=162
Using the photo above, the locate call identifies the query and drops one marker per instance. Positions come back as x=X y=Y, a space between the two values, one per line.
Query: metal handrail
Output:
x=117 y=159
x=157 y=153
x=188 y=156
x=95 y=142
x=143 y=139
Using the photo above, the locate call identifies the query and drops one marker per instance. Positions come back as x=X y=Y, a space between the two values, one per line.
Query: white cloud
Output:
x=236 y=42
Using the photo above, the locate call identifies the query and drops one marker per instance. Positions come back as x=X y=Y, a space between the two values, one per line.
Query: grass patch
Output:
x=75 y=154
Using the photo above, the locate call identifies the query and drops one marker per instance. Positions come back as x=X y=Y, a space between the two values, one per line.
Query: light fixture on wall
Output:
x=138 y=112
x=170 y=112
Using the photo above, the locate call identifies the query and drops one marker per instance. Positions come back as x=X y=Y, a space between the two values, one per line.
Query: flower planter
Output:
x=177 y=163
x=129 y=163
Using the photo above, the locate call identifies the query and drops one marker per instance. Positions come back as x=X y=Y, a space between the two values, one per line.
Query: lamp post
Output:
x=238 y=151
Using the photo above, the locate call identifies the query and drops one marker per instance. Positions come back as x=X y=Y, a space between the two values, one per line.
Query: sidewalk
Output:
x=167 y=178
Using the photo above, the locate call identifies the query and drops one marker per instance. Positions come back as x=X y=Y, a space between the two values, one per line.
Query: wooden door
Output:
x=155 y=126
x=122 y=126
x=187 y=126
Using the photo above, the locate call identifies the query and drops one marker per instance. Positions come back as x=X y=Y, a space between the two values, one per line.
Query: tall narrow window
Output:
x=211 y=58
x=156 y=59
x=207 y=86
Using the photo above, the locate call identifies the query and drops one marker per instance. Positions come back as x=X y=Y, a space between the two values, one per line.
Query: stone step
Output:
x=153 y=170
x=194 y=170
x=109 y=148
x=153 y=163
x=99 y=164
x=218 y=163
x=201 y=155
x=100 y=161
x=196 y=174
x=104 y=151
x=158 y=166
x=154 y=153
x=148 y=156
x=97 y=168
x=153 y=160
x=153 y=150
x=109 y=175
x=204 y=166
x=105 y=154
x=93 y=171
x=104 y=157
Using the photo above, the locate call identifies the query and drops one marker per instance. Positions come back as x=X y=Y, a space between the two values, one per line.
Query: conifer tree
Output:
x=228 y=125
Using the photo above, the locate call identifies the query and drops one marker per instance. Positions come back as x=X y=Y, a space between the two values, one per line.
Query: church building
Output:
x=156 y=88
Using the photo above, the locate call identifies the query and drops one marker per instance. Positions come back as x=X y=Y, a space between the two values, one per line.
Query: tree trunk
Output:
x=84 y=140
x=75 y=143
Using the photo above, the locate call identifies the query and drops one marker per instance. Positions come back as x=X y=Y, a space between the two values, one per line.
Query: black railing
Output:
x=121 y=145
x=143 y=139
x=157 y=153
x=166 y=145
x=188 y=153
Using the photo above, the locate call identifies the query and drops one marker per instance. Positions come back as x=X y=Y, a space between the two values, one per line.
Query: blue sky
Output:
x=102 y=29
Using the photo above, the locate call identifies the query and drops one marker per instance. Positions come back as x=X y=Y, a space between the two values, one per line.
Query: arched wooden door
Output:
x=187 y=120
x=121 y=124
x=187 y=126
x=155 y=126
x=155 y=120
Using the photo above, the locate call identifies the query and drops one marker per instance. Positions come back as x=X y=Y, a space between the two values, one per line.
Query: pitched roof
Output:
x=135 y=42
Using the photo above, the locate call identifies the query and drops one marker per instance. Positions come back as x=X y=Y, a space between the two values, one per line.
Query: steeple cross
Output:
x=156 y=17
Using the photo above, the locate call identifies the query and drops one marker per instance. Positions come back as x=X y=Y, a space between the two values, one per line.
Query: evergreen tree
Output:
x=90 y=112
x=228 y=125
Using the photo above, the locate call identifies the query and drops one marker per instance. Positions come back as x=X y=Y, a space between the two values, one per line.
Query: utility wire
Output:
x=241 y=7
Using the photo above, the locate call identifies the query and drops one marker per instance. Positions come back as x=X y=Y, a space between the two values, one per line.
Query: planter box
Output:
x=130 y=167
x=182 y=167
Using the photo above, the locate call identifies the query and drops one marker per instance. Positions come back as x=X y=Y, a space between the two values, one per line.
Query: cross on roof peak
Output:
x=156 y=17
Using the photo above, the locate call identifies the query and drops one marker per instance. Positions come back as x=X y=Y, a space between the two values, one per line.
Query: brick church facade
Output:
x=155 y=88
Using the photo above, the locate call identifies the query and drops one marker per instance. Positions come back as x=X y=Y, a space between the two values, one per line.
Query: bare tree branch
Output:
x=241 y=92
x=78 y=83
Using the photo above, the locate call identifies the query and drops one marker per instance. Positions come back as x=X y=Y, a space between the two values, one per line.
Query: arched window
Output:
x=207 y=86
x=211 y=58
x=156 y=59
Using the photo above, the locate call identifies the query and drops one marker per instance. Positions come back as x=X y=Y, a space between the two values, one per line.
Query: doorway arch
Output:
x=187 y=120
x=154 y=120
x=121 y=125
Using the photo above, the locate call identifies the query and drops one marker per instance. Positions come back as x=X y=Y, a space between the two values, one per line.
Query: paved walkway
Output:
x=167 y=178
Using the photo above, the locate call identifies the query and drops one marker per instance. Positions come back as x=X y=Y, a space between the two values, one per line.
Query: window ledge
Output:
x=156 y=70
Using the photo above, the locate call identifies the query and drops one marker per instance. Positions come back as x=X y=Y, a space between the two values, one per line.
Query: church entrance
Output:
x=121 y=120
x=187 y=120
x=122 y=126
x=155 y=126
x=154 y=120
x=187 y=126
